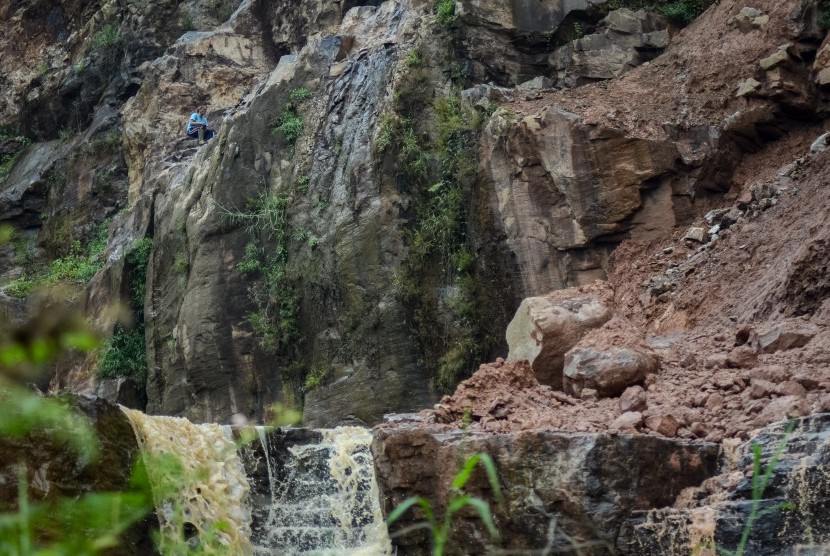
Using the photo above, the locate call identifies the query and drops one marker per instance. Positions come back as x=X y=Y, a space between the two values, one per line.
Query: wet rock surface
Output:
x=559 y=487
x=788 y=515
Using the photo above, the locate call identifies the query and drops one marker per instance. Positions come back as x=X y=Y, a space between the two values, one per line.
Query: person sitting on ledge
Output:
x=197 y=126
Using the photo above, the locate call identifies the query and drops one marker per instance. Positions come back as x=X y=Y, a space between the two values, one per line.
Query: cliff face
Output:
x=369 y=215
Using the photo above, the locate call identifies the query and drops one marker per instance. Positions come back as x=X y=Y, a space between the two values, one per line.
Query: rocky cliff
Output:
x=392 y=182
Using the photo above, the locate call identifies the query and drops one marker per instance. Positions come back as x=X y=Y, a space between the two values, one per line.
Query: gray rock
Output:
x=536 y=84
x=609 y=371
x=696 y=234
x=603 y=477
x=820 y=143
x=797 y=462
x=747 y=86
x=788 y=334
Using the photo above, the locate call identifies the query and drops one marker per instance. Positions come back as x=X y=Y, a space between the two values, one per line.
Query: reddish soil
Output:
x=772 y=266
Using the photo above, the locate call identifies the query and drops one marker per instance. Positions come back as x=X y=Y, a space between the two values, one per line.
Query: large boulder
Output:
x=609 y=360
x=545 y=328
x=788 y=516
x=559 y=487
x=624 y=40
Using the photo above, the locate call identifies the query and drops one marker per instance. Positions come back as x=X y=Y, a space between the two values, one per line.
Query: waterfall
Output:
x=198 y=481
x=326 y=500
x=292 y=491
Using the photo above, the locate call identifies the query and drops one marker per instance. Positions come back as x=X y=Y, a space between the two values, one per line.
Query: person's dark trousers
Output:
x=208 y=134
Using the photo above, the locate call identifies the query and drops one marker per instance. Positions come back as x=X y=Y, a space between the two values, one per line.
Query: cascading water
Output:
x=293 y=492
x=198 y=480
x=325 y=499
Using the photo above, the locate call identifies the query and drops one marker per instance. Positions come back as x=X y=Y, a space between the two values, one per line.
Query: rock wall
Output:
x=564 y=491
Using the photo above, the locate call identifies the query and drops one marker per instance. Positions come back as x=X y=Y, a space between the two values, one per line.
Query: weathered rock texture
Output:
x=566 y=488
x=789 y=514
x=545 y=328
x=575 y=172
x=609 y=360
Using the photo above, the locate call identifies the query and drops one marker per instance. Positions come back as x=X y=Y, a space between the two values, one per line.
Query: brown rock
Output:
x=700 y=399
x=787 y=334
x=699 y=430
x=791 y=388
x=545 y=328
x=628 y=420
x=666 y=425
x=761 y=388
x=781 y=409
x=715 y=361
x=609 y=360
x=589 y=394
x=742 y=357
x=808 y=381
x=633 y=399
x=714 y=401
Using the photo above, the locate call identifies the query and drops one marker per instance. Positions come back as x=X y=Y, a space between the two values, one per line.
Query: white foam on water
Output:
x=327 y=503
x=212 y=486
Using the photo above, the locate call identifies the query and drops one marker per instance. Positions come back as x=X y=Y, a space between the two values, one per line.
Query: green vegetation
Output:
x=760 y=481
x=445 y=11
x=680 y=12
x=11 y=133
x=413 y=58
x=107 y=37
x=441 y=527
x=125 y=354
x=316 y=377
x=109 y=141
x=303 y=183
x=299 y=94
x=181 y=264
x=437 y=159
x=88 y=524
x=275 y=320
x=77 y=267
x=290 y=125
x=823 y=7
x=223 y=9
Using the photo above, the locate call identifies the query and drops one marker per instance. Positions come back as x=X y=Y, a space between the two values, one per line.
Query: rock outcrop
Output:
x=781 y=507
x=561 y=489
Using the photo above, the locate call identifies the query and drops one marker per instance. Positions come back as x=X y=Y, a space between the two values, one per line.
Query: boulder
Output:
x=545 y=328
x=630 y=420
x=788 y=334
x=781 y=409
x=747 y=86
x=633 y=399
x=624 y=40
x=609 y=360
x=666 y=425
x=585 y=483
x=718 y=513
